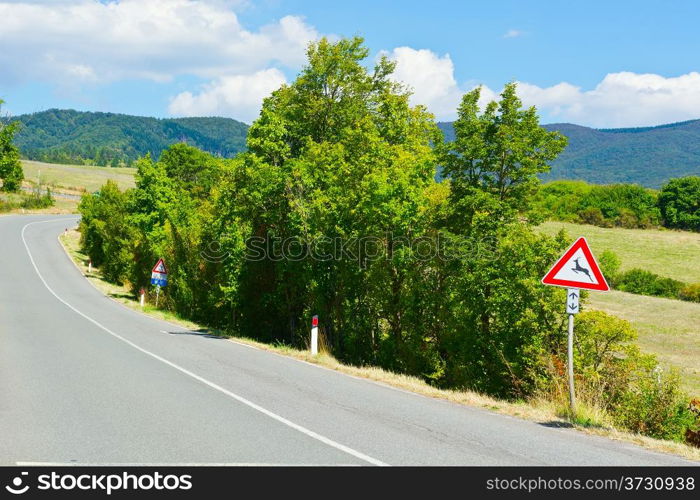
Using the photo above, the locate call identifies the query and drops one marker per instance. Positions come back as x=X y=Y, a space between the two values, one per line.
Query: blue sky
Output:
x=602 y=64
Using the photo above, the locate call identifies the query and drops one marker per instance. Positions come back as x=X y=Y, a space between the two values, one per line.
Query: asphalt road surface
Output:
x=85 y=380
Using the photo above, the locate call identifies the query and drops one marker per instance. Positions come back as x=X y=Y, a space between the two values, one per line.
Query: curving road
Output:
x=84 y=380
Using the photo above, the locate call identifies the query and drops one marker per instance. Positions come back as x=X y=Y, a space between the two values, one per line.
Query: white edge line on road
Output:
x=214 y=386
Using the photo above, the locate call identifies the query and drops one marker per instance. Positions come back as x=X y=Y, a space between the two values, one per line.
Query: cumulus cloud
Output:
x=432 y=81
x=238 y=96
x=621 y=99
x=69 y=41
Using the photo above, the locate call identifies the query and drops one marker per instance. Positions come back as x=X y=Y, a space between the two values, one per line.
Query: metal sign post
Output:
x=576 y=269
x=572 y=307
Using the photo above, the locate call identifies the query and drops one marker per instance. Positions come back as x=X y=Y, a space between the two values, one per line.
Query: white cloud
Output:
x=431 y=78
x=621 y=99
x=74 y=41
x=238 y=96
x=513 y=34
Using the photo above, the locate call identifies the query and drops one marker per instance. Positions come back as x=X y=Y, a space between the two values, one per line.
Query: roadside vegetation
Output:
x=11 y=174
x=433 y=280
x=623 y=205
x=539 y=409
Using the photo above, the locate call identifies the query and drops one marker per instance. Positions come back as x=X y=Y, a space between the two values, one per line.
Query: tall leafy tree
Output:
x=350 y=161
x=11 y=173
x=502 y=317
x=679 y=202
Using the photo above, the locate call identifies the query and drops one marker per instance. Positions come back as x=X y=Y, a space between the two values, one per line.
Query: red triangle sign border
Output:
x=158 y=264
x=582 y=244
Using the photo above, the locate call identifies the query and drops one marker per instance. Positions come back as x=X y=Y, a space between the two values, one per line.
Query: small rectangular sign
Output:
x=572 y=296
x=159 y=279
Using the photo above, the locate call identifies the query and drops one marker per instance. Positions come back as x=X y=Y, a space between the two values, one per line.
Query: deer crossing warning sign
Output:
x=577 y=268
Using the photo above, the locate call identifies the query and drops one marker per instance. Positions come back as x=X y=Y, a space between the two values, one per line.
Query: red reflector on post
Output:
x=314 y=321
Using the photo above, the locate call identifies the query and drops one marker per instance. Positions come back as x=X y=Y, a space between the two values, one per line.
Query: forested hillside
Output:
x=648 y=156
x=67 y=136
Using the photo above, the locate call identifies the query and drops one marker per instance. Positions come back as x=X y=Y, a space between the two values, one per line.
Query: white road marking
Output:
x=240 y=399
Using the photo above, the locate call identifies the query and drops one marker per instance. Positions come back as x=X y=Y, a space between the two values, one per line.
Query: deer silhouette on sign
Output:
x=580 y=269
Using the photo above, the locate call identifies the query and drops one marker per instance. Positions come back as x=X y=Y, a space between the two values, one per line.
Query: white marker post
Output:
x=575 y=270
x=143 y=297
x=314 y=335
x=89 y=265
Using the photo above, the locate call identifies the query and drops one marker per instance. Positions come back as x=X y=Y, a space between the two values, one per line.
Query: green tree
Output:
x=504 y=320
x=11 y=173
x=106 y=235
x=679 y=202
x=498 y=153
x=345 y=160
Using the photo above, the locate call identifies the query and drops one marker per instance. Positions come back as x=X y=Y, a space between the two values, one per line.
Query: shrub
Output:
x=690 y=292
x=593 y=216
x=610 y=266
x=654 y=404
x=604 y=349
x=624 y=205
x=647 y=283
x=679 y=203
x=38 y=200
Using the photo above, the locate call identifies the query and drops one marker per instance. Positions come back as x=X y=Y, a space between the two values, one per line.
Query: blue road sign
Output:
x=159 y=279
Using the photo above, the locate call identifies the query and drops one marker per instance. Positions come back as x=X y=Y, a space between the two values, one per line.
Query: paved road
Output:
x=85 y=380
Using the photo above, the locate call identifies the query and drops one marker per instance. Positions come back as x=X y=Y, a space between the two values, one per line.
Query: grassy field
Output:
x=668 y=328
x=674 y=254
x=76 y=178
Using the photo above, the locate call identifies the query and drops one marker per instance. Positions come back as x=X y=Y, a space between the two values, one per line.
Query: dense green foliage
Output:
x=623 y=205
x=334 y=210
x=11 y=174
x=38 y=198
x=629 y=386
x=679 y=202
x=648 y=156
x=108 y=139
x=645 y=282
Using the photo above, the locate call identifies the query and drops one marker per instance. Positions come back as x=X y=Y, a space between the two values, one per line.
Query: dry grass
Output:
x=536 y=410
x=76 y=178
x=62 y=205
x=674 y=254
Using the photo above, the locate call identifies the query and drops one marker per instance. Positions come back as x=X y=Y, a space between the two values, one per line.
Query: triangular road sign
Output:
x=577 y=269
x=160 y=267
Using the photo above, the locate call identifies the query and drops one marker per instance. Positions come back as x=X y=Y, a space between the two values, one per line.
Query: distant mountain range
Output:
x=648 y=155
x=67 y=136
